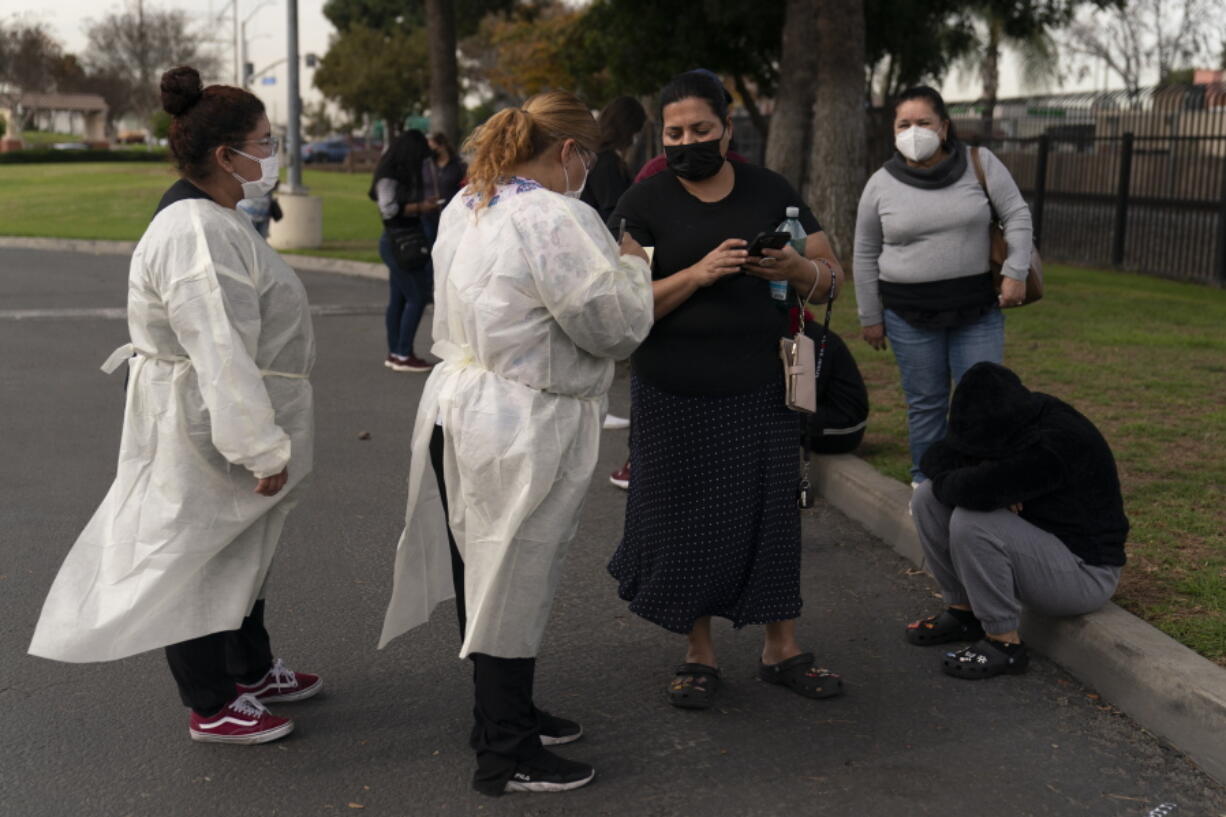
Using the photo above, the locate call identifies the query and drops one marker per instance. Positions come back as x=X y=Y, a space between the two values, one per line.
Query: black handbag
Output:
x=410 y=247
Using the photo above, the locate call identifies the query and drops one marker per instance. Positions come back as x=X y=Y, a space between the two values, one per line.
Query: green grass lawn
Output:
x=1144 y=358
x=116 y=200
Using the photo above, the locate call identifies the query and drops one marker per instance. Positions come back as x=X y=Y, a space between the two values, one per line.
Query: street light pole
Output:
x=294 y=141
x=246 y=80
x=238 y=48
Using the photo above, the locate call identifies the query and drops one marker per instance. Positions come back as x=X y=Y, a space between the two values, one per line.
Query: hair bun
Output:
x=181 y=89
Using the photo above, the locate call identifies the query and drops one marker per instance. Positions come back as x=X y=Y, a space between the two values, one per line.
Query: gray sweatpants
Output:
x=996 y=562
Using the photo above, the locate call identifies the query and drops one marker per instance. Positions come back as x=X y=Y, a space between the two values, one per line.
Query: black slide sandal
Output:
x=693 y=686
x=800 y=675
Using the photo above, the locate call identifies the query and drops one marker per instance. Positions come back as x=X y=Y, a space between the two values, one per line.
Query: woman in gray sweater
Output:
x=921 y=261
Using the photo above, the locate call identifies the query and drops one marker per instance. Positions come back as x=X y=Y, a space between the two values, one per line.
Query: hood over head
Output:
x=992 y=414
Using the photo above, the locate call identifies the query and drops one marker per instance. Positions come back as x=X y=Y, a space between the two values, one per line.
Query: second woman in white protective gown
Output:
x=534 y=301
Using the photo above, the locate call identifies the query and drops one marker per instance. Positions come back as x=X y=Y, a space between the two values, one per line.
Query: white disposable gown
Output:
x=533 y=303
x=217 y=397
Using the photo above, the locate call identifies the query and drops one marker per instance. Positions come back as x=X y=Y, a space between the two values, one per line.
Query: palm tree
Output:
x=1024 y=28
x=444 y=72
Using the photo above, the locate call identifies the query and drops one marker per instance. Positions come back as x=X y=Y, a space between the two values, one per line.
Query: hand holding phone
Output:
x=768 y=241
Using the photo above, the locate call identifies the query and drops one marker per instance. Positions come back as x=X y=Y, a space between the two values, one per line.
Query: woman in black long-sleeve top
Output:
x=609 y=177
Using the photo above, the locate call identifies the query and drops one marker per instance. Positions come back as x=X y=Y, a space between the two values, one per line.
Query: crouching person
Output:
x=1022 y=508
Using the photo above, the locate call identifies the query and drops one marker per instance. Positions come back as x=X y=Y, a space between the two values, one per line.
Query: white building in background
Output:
x=82 y=115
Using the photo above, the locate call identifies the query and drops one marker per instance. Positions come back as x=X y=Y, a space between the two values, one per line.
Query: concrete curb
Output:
x=93 y=247
x=1158 y=682
x=309 y=263
x=340 y=266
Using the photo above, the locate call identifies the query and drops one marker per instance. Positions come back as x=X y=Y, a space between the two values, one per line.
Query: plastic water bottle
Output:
x=791 y=225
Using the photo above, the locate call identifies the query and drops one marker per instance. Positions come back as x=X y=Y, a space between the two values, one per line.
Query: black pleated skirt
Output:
x=712 y=525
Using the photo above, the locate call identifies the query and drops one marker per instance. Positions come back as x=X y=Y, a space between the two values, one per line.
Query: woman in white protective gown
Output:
x=217 y=437
x=533 y=303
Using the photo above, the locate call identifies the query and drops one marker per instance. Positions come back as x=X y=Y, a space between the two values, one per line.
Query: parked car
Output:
x=70 y=146
x=332 y=150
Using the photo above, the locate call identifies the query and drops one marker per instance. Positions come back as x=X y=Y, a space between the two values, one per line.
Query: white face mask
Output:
x=917 y=143
x=574 y=194
x=269 y=168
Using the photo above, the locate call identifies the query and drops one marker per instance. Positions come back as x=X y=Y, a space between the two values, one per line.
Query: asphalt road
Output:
x=388 y=736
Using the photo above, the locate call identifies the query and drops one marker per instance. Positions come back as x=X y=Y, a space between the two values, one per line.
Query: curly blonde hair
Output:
x=517 y=135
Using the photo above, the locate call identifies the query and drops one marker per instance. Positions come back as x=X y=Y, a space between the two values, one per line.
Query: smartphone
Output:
x=621 y=231
x=768 y=241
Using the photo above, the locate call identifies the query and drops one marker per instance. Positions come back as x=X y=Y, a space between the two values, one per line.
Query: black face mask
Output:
x=696 y=161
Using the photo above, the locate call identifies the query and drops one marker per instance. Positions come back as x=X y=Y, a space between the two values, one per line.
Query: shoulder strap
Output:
x=983 y=181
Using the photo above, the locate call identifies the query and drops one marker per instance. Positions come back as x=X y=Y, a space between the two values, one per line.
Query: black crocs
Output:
x=799 y=674
x=693 y=686
x=941 y=629
x=985 y=659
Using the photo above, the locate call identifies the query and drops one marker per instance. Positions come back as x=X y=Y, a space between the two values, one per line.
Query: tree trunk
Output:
x=837 y=160
x=760 y=122
x=444 y=73
x=990 y=73
x=789 y=141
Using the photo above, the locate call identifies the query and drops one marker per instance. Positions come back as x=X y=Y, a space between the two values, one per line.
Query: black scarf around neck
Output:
x=942 y=174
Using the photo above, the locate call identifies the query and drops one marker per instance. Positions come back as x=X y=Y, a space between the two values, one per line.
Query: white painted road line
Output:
x=121 y=313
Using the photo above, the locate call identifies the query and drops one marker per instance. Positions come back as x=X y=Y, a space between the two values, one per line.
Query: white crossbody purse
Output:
x=802 y=359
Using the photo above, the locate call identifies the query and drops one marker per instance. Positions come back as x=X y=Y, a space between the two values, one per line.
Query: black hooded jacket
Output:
x=1007 y=444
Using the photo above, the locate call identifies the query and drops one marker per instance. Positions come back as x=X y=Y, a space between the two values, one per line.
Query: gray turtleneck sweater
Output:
x=912 y=235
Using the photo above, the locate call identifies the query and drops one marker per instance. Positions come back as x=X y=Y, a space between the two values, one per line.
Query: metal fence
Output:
x=1136 y=182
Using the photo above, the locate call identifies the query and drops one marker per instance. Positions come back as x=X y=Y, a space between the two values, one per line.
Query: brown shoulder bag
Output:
x=1000 y=250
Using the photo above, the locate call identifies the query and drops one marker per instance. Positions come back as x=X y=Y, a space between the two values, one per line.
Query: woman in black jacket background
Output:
x=1022 y=508
x=398 y=190
x=619 y=122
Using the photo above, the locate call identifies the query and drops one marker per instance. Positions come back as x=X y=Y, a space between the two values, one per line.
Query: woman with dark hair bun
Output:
x=921 y=260
x=218 y=404
x=712 y=523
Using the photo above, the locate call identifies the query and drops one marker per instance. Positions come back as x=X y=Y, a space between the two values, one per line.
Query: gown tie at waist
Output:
x=126 y=351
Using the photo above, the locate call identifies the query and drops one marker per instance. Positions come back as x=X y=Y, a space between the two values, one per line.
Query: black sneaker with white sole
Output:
x=549 y=773
x=556 y=731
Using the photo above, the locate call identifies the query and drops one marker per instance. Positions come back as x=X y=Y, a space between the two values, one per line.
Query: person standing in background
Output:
x=404 y=207
x=921 y=261
x=620 y=122
x=442 y=174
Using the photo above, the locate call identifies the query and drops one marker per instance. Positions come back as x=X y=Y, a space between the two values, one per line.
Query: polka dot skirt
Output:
x=712 y=526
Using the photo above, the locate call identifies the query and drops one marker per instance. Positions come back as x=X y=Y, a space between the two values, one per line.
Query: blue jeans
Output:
x=408 y=296
x=927 y=359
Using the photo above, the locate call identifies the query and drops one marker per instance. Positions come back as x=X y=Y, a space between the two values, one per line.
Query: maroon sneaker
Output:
x=243 y=720
x=281 y=683
x=621 y=477
x=413 y=363
x=397 y=363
